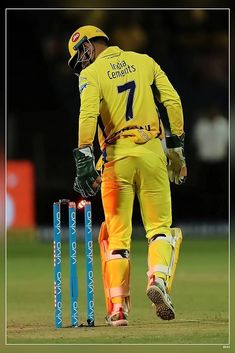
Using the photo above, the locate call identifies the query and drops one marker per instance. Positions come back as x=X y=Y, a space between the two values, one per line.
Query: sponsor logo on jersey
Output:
x=120 y=69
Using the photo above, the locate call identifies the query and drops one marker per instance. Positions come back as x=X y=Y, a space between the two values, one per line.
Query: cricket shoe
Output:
x=156 y=292
x=117 y=318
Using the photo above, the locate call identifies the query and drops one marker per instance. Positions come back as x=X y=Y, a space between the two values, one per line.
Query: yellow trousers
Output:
x=135 y=168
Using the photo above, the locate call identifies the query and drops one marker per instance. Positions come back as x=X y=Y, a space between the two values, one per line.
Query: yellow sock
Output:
x=159 y=254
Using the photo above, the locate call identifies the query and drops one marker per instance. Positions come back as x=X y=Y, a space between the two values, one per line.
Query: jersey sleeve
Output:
x=89 y=108
x=168 y=96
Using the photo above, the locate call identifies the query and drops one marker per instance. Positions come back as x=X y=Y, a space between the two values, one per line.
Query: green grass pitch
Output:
x=200 y=296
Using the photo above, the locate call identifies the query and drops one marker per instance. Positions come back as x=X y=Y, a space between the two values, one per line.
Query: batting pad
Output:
x=115 y=272
x=163 y=256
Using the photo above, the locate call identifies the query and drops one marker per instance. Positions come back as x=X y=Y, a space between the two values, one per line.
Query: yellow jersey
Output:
x=116 y=93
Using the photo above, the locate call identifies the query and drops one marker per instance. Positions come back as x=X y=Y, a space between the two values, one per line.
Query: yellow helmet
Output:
x=80 y=36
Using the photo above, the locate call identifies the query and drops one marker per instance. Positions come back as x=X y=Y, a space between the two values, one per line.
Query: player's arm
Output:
x=89 y=107
x=87 y=180
x=168 y=96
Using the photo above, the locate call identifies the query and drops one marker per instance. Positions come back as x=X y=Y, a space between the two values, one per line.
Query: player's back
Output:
x=126 y=98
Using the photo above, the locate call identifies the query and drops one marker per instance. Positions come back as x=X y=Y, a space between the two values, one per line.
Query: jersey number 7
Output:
x=129 y=86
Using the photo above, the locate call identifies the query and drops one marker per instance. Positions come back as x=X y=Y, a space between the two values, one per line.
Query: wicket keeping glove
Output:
x=177 y=170
x=87 y=180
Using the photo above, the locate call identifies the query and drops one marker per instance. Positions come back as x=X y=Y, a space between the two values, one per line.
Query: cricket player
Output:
x=116 y=96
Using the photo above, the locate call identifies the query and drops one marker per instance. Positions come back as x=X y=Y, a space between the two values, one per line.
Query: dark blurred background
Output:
x=43 y=100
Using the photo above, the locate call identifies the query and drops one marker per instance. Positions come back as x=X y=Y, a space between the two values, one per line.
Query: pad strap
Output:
x=159 y=268
x=167 y=238
x=119 y=292
x=117 y=254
